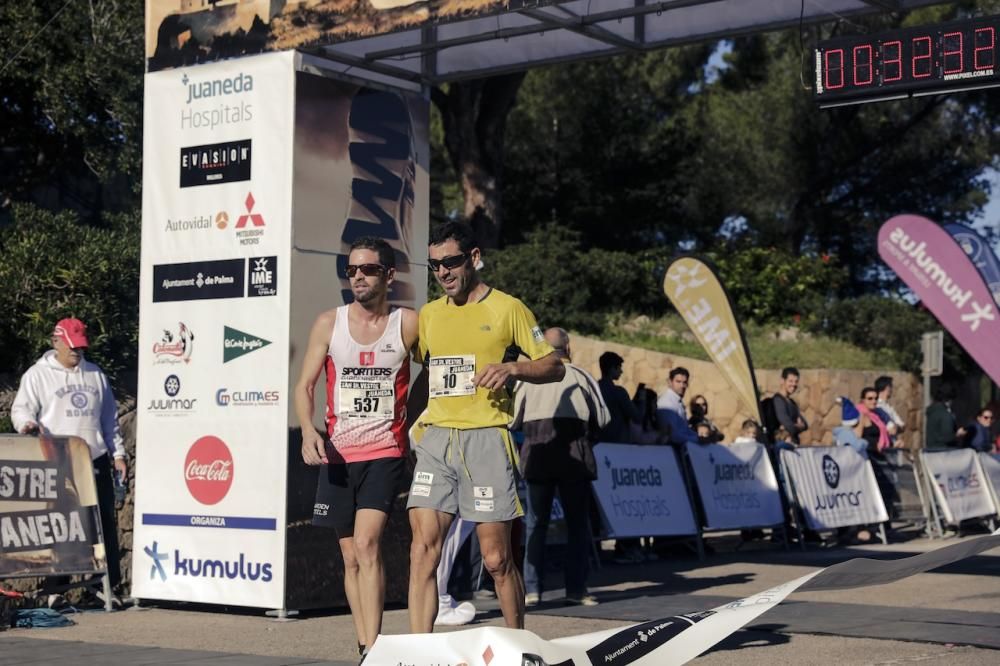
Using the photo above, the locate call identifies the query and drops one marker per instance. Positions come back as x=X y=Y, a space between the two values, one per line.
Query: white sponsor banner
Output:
x=835 y=486
x=991 y=468
x=640 y=491
x=960 y=486
x=737 y=485
x=212 y=423
x=663 y=642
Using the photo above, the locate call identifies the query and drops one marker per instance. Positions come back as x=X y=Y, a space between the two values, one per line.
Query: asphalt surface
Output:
x=947 y=616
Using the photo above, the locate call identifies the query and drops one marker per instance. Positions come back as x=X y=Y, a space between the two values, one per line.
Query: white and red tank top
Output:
x=366 y=391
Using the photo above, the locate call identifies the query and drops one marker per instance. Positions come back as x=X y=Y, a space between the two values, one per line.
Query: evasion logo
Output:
x=236 y=343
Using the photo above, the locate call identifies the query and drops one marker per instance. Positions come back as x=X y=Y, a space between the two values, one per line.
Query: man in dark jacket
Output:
x=560 y=422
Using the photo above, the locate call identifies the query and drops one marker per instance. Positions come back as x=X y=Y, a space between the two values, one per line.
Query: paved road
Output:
x=949 y=616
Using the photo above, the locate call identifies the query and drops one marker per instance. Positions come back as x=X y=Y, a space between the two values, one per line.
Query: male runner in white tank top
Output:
x=365 y=349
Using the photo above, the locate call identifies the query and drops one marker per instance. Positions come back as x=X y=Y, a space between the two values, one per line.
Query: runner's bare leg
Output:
x=351 y=586
x=494 y=542
x=429 y=529
x=368 y=527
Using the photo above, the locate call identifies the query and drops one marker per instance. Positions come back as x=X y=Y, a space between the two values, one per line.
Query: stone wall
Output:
x=818 y=388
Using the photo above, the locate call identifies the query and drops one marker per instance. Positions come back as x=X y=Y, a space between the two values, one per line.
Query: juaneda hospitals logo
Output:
x=206 y=106
x=208 y=470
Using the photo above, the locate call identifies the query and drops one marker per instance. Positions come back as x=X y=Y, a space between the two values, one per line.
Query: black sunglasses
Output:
x=450 y=263
x=369 y=270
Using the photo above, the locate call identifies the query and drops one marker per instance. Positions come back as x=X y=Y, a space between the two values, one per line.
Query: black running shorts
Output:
x=344 y=488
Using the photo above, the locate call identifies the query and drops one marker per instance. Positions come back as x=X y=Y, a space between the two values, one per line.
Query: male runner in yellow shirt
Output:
x=466 y=460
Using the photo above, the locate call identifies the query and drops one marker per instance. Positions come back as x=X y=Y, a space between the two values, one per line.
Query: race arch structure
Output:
x=276 y=132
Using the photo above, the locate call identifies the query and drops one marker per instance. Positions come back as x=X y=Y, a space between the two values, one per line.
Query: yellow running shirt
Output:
x=458 y=341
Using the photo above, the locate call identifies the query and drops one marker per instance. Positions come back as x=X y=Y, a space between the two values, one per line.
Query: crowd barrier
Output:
x=959 y=487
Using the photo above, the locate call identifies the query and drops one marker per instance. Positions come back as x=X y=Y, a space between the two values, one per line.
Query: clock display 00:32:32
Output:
x=960 y=55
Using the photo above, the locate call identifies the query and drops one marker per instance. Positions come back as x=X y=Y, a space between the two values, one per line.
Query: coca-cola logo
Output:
x=208 y=470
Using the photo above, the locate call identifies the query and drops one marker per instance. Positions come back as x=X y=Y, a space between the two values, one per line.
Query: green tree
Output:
x=55 y=267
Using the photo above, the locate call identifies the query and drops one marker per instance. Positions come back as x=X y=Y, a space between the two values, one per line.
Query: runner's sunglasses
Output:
x=450 y=263
x=369 y=270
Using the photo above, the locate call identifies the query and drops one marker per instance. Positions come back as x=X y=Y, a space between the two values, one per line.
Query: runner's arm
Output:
x=313 y=447
x=539 y=371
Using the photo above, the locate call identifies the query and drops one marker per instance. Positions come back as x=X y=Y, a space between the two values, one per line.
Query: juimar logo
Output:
x=194 y=567
x=934 y=273
x=171 y=404
x=831 y=475
x=220 y=113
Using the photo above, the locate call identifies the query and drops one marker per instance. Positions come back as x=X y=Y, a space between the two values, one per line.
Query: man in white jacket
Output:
x=64 y=394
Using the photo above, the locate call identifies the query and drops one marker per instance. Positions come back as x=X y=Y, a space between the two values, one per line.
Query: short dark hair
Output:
x=789 y=371
x=983 y=411
x=386 y=255
x=882 y=383
x=868 y=389
x=679 y=371
x=456 y=231
x=609 y=360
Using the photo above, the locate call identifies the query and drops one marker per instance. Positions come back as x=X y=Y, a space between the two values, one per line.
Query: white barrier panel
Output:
x=213 y=333
x=835 y=486
x=991 y=467
x=959 y=484
x=737 y=485
x=664 y=642
x=640 y=491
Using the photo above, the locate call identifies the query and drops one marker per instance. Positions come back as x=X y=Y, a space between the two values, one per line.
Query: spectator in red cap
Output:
x=63 y=394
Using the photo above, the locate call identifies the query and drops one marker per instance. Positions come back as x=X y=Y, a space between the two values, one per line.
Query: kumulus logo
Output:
x=239 y=567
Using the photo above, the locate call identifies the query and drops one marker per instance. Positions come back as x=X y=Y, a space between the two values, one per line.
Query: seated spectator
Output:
x=978 y=432
x=699 y=415
x=871 y=427
x=749 y=433
x=649 y=430
x=705 y=434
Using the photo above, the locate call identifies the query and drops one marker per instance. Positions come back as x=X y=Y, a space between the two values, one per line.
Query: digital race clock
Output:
x=960 y=55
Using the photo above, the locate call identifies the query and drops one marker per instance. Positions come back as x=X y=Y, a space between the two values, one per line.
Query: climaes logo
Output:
x=208 y=470
x=251 y=398
x=237 y=568
x=236 y=343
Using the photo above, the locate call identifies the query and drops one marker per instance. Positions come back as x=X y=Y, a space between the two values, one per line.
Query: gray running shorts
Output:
x=469 y=473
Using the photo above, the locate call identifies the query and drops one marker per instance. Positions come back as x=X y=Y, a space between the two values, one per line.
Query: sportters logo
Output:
x=366 y=358
x=263 y=276
x=831 y=471
x=236 y=343
x=215 y=163
x=174 y=347
x=224 y=398
x=208 y=470
x=206 y=106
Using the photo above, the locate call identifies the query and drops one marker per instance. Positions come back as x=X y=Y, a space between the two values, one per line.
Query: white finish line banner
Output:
x=835 y=486
x=664 y=642
x=640 y=491
x=959 y=484
x=737 y=485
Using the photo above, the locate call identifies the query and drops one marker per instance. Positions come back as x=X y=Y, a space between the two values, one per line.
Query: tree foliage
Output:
x=56 y=267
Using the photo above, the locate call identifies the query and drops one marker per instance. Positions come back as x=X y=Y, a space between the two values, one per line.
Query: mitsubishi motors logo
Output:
x=256 y=218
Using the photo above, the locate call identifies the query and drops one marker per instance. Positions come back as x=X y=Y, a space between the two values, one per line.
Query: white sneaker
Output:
x=453 y=616
x=532 y=599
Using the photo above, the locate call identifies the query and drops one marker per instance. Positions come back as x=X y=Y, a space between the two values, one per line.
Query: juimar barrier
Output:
x=736 y=484
x=50 y=524
x=959 y=485
x=640 y=491
x=833 y=486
